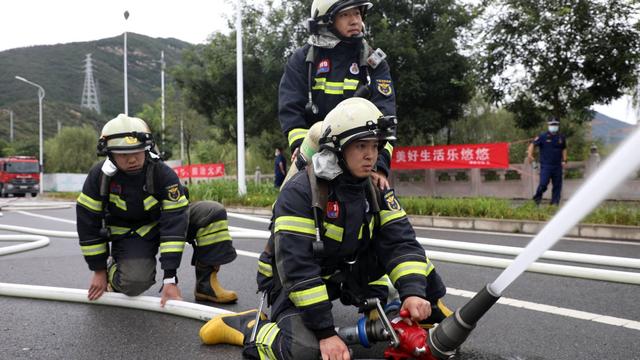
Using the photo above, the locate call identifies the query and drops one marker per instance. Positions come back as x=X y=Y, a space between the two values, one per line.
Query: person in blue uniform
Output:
x=553 y=158
x=365 y=234
x=335 y=64
x=131 y=206
x=280 y=168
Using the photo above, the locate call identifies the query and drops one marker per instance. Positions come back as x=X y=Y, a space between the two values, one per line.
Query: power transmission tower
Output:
x=89 y=91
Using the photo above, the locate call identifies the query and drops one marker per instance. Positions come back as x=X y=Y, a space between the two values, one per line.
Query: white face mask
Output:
x=553 y=128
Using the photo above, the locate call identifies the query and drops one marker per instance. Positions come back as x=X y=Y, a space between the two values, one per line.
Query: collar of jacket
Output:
x=324 y=39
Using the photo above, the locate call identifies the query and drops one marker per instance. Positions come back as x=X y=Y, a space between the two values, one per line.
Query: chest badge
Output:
x=323 y=66
x=354 y=69
x=333 y=210
x=392 y=201
x=173 y=192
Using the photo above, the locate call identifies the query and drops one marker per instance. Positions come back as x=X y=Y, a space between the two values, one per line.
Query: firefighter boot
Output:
x=439 y=312
x=230 y=328
x=208 y=288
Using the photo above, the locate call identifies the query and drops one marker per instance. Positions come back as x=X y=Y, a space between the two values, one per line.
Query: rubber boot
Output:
x=208 y=288
x=229 y=328
x=439 y=312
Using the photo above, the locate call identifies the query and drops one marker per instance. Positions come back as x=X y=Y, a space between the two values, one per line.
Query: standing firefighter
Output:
x=335 y=64
x=364 y=234
x=133 y=205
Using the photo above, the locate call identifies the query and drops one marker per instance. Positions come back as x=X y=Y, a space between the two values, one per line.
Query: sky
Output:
x=46 y=22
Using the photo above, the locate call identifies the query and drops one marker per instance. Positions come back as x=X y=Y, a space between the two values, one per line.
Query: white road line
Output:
x=576 y=314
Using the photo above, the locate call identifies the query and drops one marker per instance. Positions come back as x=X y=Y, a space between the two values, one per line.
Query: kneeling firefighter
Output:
x=132 y=205
x=334 y=236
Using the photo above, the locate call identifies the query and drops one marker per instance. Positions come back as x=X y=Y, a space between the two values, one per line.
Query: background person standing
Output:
x=280 y=168
x=553 y=158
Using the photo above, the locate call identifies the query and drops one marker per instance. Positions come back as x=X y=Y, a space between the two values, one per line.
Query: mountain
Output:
x=608 y=129
x=59 y=69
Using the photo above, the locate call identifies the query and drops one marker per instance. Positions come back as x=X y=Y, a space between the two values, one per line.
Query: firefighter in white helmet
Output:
x=335 y=64
x=132 y=205
x=364 y=235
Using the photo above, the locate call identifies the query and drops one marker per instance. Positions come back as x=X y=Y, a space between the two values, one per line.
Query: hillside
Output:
x=608 y=129
x=59 y=69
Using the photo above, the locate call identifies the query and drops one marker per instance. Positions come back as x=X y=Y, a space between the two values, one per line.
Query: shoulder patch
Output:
x=391 y=200
x=384 y=87
x=173 y=192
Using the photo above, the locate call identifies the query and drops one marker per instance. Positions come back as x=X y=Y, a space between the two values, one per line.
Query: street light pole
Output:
x=162 y=89
x=126 y=95
x=242 y=185
x=40 y=98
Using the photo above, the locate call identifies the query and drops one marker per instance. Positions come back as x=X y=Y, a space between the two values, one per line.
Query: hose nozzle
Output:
x=445 y=338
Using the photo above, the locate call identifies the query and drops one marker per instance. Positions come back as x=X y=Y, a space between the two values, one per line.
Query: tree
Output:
x=419 y=36
x=430 y=75
x=558 y=57
x=71 y=151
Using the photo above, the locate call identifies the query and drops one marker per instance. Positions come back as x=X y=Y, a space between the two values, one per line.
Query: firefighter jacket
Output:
x=150 y=205
x=377 y=242
x=336 y=75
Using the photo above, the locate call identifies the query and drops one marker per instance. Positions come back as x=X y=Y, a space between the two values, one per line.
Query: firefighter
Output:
x=365 y=234
x=132 y=205
x=335 y=64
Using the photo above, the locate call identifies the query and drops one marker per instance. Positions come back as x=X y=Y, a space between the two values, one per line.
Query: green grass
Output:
x=264 y=195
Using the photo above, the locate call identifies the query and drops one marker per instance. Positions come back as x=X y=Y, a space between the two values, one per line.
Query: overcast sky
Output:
x=46 y=22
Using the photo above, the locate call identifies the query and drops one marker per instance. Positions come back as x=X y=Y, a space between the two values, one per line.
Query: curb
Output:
x=590 y=231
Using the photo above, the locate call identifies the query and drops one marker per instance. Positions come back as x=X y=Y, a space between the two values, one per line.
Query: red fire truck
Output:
x=19 y=175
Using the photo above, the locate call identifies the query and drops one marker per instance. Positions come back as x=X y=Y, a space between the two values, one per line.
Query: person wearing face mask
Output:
x=133 y=206
x=553 y=158
x=342 y=252
x=336 y=63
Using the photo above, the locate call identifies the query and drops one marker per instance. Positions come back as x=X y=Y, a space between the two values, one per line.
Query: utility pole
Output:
x=242 y=186
x=126 y=95
x=162 y=89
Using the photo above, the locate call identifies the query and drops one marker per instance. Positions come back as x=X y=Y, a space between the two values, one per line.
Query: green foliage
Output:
x=557 y=57
x=431 y=76
x=226 y=192
x=59 y=70
x=492 y=208
x=72 y=151
x=429 y=73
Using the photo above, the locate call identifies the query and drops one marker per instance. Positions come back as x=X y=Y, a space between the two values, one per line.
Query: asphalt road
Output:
x=40 y=329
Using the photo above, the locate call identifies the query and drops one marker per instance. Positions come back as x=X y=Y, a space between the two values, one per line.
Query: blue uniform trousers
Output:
x=553 y=174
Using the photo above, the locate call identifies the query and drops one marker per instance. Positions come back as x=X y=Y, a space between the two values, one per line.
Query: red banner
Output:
x=494 y=156
x=200 y=171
